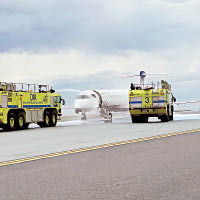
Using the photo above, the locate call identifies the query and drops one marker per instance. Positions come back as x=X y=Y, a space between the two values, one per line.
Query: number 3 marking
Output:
x=146 y=99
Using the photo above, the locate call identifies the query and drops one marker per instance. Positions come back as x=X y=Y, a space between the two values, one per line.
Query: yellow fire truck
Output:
x=22 y=104
x=150 y=100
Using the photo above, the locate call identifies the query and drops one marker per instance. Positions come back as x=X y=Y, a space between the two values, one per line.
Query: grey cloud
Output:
x=105 y=27
x=177 y=1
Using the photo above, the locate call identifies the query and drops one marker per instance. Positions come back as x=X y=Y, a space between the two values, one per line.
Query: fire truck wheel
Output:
x=41 y=124
x=46 y=119
x=11 y=122
x=53 y=119
x=164 y=118
x=135 y=119
x=142 y=119
x=20 y=121
x=110 y=116
x=145 y=119
x=26 y=125
x=132 y=118
x=171 y=118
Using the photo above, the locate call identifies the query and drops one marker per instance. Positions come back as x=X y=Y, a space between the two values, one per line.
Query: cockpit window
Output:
x=82 y=97
x=93 y=95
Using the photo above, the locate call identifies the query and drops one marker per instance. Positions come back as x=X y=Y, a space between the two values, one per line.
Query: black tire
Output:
x=46 y=119
x=164 y=118
x=139 y=119
x=145 y=119
x=20 y=121
x=83 y=116
x=46 y=122
x=41 y=124
x=53 y=118
x=11 y=124
x=26 y=125
x=110 y=116
x=142 y=119
x=135 y=119
x=171 y=118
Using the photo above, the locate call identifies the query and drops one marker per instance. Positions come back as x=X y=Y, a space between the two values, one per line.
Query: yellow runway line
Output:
x=51 y=155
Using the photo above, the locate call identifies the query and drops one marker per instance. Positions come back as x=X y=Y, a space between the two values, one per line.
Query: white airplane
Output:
x=103 y=101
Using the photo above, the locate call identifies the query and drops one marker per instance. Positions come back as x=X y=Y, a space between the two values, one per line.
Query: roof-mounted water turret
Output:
x=25 y=87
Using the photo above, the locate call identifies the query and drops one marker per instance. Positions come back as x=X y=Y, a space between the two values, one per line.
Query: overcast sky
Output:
x=44 y=41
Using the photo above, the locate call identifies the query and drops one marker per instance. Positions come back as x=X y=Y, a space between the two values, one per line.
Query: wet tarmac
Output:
x=77 y=134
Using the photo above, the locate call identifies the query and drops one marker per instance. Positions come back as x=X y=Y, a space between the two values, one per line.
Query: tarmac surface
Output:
x=80 y=134
x=161 y=169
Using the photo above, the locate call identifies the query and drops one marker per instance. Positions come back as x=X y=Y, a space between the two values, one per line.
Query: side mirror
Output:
x=63 y=102
x=174 y=99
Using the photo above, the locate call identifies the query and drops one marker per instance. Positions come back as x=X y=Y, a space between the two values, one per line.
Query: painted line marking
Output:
x=51 y=155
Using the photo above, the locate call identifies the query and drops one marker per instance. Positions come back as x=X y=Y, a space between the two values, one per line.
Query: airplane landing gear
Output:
x=110 y=117
x=106 y=114
x=83 y=116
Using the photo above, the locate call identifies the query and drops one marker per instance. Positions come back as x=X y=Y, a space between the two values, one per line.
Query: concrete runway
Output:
x=161 y=169
x=77 y=134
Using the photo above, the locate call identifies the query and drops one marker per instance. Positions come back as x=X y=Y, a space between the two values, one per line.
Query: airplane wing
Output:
x=186 y=102
x=133 y=75
x=116 y=108
x=68 y=90
x=160 y=74
x=127 y=76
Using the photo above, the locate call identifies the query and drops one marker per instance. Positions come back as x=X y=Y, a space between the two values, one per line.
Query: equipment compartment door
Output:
x=4 y=101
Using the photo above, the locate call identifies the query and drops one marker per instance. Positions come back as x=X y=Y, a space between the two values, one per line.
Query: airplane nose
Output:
x=77 y=103
x=84 y=103
x=81 y=103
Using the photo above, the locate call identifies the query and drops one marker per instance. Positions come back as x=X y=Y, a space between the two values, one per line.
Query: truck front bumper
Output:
x=151 y=112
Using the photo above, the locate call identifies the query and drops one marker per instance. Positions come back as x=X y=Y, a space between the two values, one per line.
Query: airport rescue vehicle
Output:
x=22 y=104
x=150 y=100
